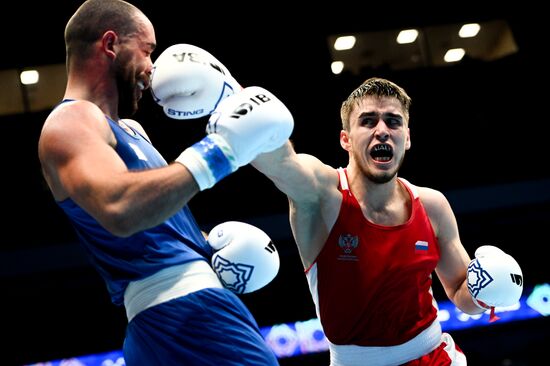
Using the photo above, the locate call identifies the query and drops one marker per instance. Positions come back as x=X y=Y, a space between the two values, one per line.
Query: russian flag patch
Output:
x=421 y=245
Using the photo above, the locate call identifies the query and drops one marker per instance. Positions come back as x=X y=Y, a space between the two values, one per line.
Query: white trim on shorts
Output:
x=352 y=355
x=167 y=284
x=457 y=357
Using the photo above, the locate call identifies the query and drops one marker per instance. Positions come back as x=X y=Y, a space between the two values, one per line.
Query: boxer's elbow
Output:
x=118 y=222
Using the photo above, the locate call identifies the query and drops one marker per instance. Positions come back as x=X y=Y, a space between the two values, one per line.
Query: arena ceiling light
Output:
x=469 y=30
x=29 y=77
x=425 y=46
x=344 y=43
x=407 y=36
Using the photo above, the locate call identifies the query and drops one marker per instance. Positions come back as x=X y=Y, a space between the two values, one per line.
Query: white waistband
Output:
x=351 y=355
x=168 y=284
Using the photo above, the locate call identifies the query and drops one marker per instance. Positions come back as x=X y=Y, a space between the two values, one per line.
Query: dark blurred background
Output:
x=479 y=132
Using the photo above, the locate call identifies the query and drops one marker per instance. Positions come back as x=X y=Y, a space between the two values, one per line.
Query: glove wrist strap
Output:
x=209 y=160
x=480 y=304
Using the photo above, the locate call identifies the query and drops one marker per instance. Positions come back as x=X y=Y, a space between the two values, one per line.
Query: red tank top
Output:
x=372 y=283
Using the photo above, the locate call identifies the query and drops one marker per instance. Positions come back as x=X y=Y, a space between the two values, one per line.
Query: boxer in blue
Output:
x=129 y=206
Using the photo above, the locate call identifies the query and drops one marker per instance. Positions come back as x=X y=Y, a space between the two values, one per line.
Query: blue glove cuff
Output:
x=209 y=160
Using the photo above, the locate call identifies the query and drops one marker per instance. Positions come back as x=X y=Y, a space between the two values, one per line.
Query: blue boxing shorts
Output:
x=208 y=327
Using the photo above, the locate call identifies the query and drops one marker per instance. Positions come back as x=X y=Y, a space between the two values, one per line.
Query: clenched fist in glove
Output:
x=243 y=126
x=494 y=278
x=188 y=82
x=245 y=259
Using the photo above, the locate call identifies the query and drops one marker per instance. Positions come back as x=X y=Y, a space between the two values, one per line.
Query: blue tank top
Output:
x=120 y=260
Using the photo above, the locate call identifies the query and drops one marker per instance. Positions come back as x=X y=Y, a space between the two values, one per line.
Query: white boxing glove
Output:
x=494 y=278
x=243 y=126
x=253 y=121
x=188 y=82
x=245 y=258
